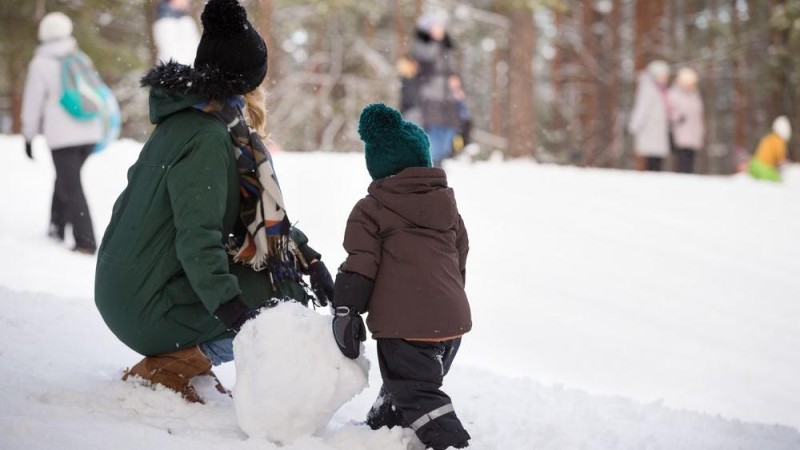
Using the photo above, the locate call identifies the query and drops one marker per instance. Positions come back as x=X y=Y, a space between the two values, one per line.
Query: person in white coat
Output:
x=71 y=141
x=175 y=32
x=687 y=119
x=649 y=122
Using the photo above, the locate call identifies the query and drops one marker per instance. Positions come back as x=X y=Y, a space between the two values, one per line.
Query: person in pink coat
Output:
x=687 y=119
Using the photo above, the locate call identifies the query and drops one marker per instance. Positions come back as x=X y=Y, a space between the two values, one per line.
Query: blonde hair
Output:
x=256 y=110
x=687 y=77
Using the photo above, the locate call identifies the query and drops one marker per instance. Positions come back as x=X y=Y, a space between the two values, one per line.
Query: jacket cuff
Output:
x=352 y=290
x=309 y=254
x=230 y=311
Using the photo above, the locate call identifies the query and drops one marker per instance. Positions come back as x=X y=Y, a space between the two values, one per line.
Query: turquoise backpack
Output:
x=85 y=97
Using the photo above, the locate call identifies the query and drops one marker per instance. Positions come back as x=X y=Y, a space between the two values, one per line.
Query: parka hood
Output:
x=57 y=48
x=164 y=103
x=171 y=90
x=420 y=195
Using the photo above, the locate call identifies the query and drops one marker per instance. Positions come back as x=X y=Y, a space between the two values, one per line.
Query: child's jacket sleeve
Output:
x=362 y=243
x=462 y=244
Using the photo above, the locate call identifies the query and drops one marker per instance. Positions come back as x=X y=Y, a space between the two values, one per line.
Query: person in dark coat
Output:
x=437 y=84
x=200 y=238
x=407 y=251
x=408 y=69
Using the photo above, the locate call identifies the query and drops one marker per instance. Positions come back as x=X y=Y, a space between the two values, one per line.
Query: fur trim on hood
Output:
x=210 y=83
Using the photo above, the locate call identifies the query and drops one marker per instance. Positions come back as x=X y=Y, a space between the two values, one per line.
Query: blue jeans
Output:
x=441 y=139
x=218 y=352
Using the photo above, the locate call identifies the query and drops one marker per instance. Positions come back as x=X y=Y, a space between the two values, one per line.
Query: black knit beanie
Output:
x=232 y=56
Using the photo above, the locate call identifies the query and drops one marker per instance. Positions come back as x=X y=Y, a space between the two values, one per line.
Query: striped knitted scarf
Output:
x=267 y=244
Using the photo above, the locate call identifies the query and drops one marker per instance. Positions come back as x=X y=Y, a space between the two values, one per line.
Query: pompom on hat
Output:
x=54 y=26
x=391 y=144
x=231 y=53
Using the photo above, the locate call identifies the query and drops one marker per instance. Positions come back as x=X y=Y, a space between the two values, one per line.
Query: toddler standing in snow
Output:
x=771 y=152
x=407 y=250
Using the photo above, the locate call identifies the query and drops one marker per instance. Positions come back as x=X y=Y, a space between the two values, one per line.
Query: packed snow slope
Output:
x=612 y=310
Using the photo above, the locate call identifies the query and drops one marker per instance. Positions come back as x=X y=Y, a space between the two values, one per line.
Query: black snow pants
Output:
x=684 y=160
x=411 y=394
x=653 y=164
x=69 y=203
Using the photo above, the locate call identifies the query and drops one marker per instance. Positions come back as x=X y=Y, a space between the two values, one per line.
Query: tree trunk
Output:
x=400 y=33
x=150 y=18
x=498 y=89
x=264 y=12
x=562 y=141
x=590 y=144
x=521 y=111
x=20 y=23
x=741 y=103
x=648 y=36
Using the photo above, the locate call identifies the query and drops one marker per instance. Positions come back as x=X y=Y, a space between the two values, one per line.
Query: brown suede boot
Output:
x=174 y=371
x=218 y=384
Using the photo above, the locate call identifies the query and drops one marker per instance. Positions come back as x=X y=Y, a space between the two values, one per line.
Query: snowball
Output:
x=290 y=376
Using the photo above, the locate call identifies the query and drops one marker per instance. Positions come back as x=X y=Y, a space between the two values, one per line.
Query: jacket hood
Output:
x=164 y=103
x=171 y=89
x=419 y=195
x=57 y=48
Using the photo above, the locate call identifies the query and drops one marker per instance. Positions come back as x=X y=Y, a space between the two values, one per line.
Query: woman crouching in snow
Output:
x=200 y=237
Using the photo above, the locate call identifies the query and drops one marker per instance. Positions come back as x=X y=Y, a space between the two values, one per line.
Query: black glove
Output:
x=321 y=283
x=28 y=150
x=348 y=331
x=235 y=313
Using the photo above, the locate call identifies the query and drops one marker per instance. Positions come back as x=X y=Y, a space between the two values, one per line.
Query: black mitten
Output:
x=349 y=331
x=321 y=283
x=235 y=313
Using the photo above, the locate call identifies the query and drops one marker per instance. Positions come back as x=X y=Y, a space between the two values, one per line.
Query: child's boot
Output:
x=443 y=431
x=383 y=412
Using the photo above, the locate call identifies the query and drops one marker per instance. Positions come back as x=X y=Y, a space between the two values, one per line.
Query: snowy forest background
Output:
x=547 y=79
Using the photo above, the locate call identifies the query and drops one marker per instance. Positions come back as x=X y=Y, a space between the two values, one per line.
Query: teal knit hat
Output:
x=390 y=143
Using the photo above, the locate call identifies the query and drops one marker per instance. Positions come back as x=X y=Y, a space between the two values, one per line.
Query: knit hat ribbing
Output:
x=230 y=49
x=390 y=143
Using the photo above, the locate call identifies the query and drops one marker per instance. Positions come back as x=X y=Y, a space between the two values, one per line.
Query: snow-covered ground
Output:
x=612 y=310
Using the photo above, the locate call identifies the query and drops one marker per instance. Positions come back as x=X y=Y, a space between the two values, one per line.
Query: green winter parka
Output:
x=162 y=268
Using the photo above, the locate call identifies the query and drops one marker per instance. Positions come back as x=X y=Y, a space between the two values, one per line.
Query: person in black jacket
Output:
x=438 y=84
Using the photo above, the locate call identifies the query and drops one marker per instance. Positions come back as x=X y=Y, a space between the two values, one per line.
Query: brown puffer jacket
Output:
x=408 y=236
